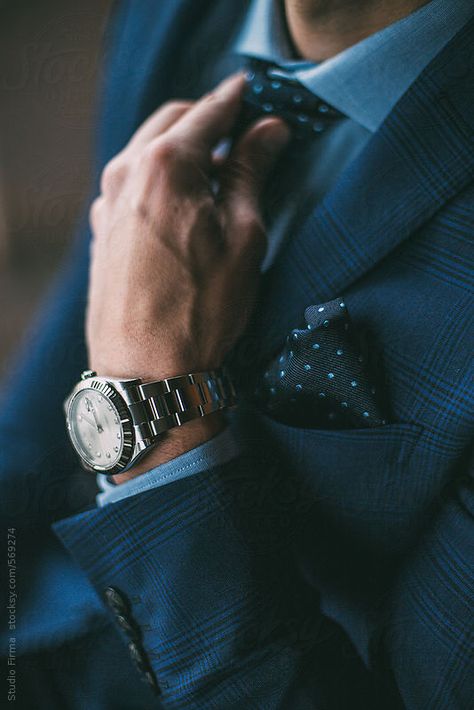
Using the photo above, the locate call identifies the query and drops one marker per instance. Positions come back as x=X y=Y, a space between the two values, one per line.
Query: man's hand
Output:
x=178 y=241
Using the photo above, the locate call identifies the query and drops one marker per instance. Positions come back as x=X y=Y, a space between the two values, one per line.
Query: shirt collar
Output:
x=366 y=80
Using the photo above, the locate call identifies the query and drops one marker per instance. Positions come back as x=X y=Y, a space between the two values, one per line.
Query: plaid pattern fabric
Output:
x=324 y=568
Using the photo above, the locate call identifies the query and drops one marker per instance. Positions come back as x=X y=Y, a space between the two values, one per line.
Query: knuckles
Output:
x=174 y=107
x=114 y=174
x=95 y=213
x=161 y=153
x=250 y=241
x=249 y=225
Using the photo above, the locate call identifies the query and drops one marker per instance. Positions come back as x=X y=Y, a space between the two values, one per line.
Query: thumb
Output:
x=250 y=162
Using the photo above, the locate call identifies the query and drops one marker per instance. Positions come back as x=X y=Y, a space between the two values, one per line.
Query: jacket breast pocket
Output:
x=374 y=472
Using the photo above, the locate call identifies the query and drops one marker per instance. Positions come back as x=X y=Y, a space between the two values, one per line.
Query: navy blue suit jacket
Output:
x=322 y=568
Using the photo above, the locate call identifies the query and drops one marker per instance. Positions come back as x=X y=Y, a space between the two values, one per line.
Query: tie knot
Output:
x=270 y=92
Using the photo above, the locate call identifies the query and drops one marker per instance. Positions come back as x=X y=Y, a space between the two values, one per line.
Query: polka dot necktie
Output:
x=269 y=92
x=321 y=378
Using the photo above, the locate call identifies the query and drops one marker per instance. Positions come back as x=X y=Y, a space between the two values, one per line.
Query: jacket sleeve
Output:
x=205 y=563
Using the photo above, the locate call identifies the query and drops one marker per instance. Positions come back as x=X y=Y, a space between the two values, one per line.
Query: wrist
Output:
x=176 y=442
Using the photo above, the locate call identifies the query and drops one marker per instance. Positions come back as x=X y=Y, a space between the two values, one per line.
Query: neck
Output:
x=320 y=29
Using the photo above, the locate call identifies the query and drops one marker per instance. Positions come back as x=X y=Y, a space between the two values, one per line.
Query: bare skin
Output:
x=175 y=271
x=322 y=28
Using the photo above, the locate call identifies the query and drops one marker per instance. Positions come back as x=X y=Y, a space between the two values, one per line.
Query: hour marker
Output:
x=108 y=455
x=116 y=448
x=98 y=454
x=119 y=435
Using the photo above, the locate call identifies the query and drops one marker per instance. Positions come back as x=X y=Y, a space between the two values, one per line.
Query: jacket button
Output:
x=115 y=600
x=128 y=626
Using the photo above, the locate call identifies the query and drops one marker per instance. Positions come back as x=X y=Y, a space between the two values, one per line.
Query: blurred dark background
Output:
x=50 y=64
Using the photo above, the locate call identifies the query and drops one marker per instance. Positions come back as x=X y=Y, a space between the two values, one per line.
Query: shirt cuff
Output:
x=215 y=452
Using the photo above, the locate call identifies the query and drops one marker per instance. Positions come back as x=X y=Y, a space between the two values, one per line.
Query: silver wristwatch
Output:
x=113 y=423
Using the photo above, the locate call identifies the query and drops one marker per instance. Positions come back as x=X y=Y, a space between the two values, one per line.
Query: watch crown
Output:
x=88 y=373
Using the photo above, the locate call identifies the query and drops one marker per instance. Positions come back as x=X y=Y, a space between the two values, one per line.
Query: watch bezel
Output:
x=105 y=387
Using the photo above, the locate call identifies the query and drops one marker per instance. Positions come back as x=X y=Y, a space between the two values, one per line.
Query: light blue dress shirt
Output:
x=364 y=82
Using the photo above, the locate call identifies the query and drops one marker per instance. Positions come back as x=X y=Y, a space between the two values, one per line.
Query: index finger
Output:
x=212 y=117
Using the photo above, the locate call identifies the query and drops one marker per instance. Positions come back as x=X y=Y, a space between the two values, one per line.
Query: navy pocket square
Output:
x=321 y=378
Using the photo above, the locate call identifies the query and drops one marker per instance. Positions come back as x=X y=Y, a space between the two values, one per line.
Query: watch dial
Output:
x=95 y=428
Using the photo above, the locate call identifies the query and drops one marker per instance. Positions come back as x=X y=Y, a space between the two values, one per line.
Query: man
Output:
x=312 y=547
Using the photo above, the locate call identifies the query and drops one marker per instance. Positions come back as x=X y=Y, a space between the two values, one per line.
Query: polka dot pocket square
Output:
x=321 y=378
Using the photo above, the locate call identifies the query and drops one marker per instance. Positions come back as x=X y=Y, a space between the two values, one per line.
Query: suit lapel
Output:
x=419 y=159
x=159 y=51
x=141 y=43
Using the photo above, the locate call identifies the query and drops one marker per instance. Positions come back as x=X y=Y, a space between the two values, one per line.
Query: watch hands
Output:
x=89 y=421
x=91 y=409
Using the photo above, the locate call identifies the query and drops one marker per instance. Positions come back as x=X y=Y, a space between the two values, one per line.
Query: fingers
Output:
x=252 y=160
x=180 y=128
x=116 y=171
x=159 y=122
x=242 y=182
x=211 y=118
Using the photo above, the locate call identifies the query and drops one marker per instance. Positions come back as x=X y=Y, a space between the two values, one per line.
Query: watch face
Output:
x=95 y=428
